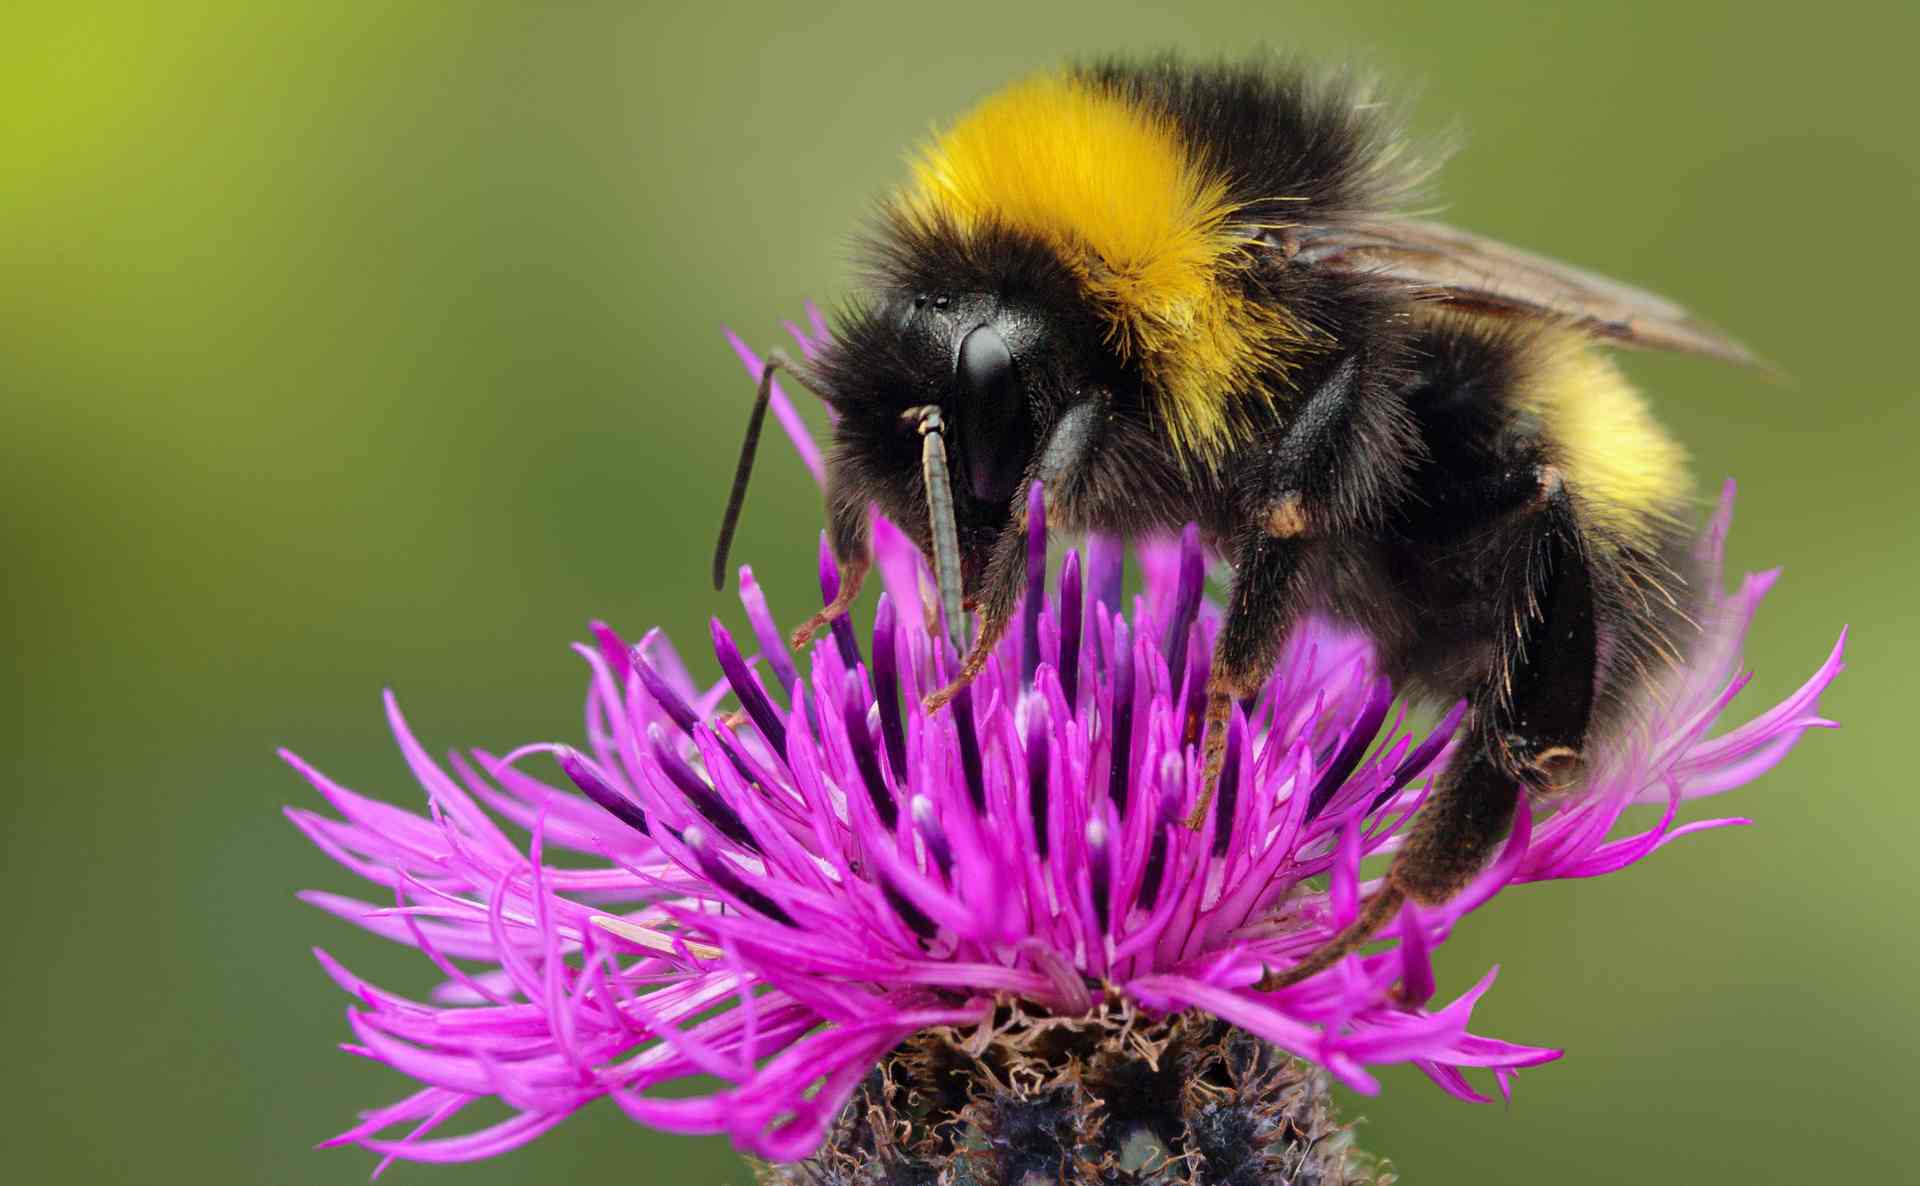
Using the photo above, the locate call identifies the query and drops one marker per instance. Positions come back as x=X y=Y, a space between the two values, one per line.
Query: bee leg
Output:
x=1530 y=722
x=1335 y=465
x=847 y=535
x=1524 y=487
x=852 y=574
x=1527 y=732
x=1061 y=463
x=1263 y=605
x=999 y=593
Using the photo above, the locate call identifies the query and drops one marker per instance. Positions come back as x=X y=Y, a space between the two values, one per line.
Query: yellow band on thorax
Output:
x=1144 y=226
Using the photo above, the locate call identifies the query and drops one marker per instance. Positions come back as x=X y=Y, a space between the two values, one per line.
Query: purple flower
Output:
x=780 y=896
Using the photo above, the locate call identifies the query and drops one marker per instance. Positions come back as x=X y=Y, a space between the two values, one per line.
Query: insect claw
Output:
x=852 y=573
x=991 y=631
x=1378 y=912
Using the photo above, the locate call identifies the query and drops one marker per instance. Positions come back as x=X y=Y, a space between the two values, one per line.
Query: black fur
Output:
x=1463 y=551
x=1392 y=477
x=1294 y=147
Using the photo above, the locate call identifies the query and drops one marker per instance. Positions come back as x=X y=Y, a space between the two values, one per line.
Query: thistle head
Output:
x=893 y=945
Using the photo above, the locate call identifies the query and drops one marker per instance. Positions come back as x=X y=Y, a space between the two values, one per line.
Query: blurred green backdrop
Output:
x=353 y=345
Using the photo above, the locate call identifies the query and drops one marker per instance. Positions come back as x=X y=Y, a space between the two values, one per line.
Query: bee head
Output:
x=989 y=334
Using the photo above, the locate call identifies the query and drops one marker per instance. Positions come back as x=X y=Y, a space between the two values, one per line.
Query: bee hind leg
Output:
x=1530 y=723
x=1526 y=733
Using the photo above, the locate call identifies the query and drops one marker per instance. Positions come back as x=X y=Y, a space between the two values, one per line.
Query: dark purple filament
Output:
x=749 y=770
x=1379 y=700
x=912 y=915
x=1121 y=756
x=932 y=834
x=581 y=773
x=704 y=799
x=1037 y=763
x=1422 y=755
x=1031 y=609
x=854 y=717
x=1098 y=871
x=1186 y=602
x=715 y=869
x=1070 y=608
x=752 y=697
x=1156 y=868
x=677 y=710
x=969 y=736
x=1228 y=796
x=1194 y=713
x=842 y=626
x=886 y=689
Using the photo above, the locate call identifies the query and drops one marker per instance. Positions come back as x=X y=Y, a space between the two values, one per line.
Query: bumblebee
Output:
x=1175 y=293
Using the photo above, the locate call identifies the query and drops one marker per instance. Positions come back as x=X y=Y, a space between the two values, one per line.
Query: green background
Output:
x=345 y=346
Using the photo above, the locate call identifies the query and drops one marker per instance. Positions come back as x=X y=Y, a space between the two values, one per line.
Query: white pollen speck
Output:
x=649 y=938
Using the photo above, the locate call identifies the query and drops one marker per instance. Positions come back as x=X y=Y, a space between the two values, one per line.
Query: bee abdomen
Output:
x=1510 y=417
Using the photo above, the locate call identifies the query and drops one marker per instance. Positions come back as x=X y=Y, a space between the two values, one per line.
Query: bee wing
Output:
x=1485 y=276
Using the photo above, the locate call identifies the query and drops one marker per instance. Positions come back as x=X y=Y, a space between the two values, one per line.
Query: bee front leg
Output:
x=847 y=535
x=999 y=594
x=1059 y=467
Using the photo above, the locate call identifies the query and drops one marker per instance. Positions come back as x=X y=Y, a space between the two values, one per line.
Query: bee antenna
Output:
x=737 y=497
x=946 y=535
